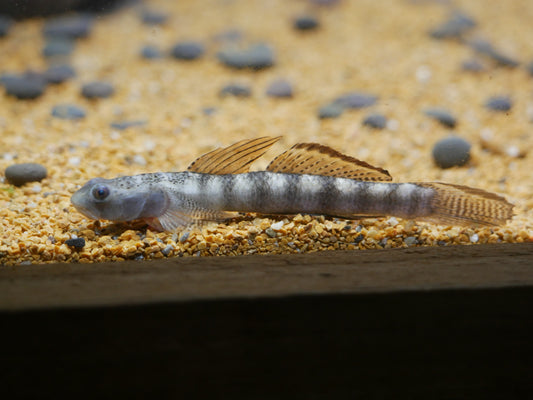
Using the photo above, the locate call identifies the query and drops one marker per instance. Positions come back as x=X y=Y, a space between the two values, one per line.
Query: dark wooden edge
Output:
x=192 y=279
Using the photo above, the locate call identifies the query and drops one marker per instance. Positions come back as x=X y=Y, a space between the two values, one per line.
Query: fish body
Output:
x=340 y=187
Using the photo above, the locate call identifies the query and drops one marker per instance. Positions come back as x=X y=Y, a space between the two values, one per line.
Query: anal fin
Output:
x=234 y=159
x=172 y=220
x=317 y=159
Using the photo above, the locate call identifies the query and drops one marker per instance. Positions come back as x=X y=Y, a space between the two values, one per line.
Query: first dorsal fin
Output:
x=234 y=159
x=316 y=159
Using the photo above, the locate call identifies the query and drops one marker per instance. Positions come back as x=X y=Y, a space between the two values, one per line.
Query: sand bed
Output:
x=360 y=46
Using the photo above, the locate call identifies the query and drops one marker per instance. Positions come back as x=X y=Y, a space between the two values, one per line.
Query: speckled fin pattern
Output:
x=317 y=159
x=234 y=159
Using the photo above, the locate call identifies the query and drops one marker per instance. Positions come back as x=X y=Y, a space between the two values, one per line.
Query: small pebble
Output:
x=68 y=111
x=474 y=238
x=71 y=26
x=441 y=115
x=376 y=121
x=356 y=100
x=410 y=240
x=153 y=17
x=472 y=65
x=19 y=174
x=184 y=237
x=499 y=103
x=305 y=23
x=256 y=57
x=209 y=110
x=26 y=86
x=59 y=73
x=58 y=46
x=77 y=243
x=270 y=232
x=5 y=25
x=236 y=89
x=280 y=88
x=454 y=27
x=452 y=151
x=167 y=250
x=277 y=225
x=94 y=90
x=331 y=110
x=484 y=47
x=151 y=52
x=121 y=125
x=187 y=50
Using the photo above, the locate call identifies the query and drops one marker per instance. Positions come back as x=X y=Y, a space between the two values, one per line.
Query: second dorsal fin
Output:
x=234 y=159
x=316 y=159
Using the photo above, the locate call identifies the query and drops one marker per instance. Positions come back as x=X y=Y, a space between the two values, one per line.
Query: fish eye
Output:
x=100 y=192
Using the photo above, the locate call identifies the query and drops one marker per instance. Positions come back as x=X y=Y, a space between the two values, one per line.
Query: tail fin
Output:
x=463 y=205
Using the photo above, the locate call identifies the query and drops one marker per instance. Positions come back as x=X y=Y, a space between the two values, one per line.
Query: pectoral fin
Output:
x=172 y=220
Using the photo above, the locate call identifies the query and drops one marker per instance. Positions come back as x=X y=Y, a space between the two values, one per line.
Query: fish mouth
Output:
x=76 y=201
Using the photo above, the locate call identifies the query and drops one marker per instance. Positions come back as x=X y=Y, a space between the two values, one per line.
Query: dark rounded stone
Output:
x=236 y=89
x=486 y=48
x=70 y=26
x=68 y=111
x=19 y=174
x=29 y=85
x=454 y=27
x=151 y=52
x=499 y=103
x=59 y=73
x=187 y=50
x=58 y=46
x=95 y=90
x=452 y=151
x=5 y=24
x=256 y=57
x=153 y=17
x=376 y=121
x=121 y=125
x=280 y=88
x=356 y=100
x=331 y=110
x=441 y=115
x=77 y=243
x=306 y=23
x=472 y=65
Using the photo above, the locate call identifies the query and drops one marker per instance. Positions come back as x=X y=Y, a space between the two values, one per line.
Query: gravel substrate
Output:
x=366 y=59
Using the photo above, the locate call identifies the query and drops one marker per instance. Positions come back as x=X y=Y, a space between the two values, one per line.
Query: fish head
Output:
x=118 y=200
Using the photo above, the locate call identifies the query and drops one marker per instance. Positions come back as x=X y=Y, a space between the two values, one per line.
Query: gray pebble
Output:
x=121 y=125
x=484 y=47
x=441 y=115
x=280 y=88
x=306 y=23
x=499 y=103
x=29 y=85
x=331 y=110
x=59 y=73
x=153 y=17
x=187 y=50
x=376 y=121
x=472 y=65
x=209 y=110
x=5 y=25
x=77 y=243
x=71 y=26
x=454 y=27
x=236 y=89
x=356 y=100
x=255 y=57
x=451 y=152
x=58 y=46
x=167 y=250
x=184 y=237
x=19 y=174
x=270 y=232
x=68 y=111
x=151 y=52
x=97 y=90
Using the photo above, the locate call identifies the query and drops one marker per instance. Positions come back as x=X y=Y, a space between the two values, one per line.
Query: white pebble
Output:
x=474 y=238
x=392 y=221
x=138 y=159
x=512 y=151
x=8 y=157
x=74 y=161
x=423 y=74
x=36 y=188
x=277 y=225
x=115 y=135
